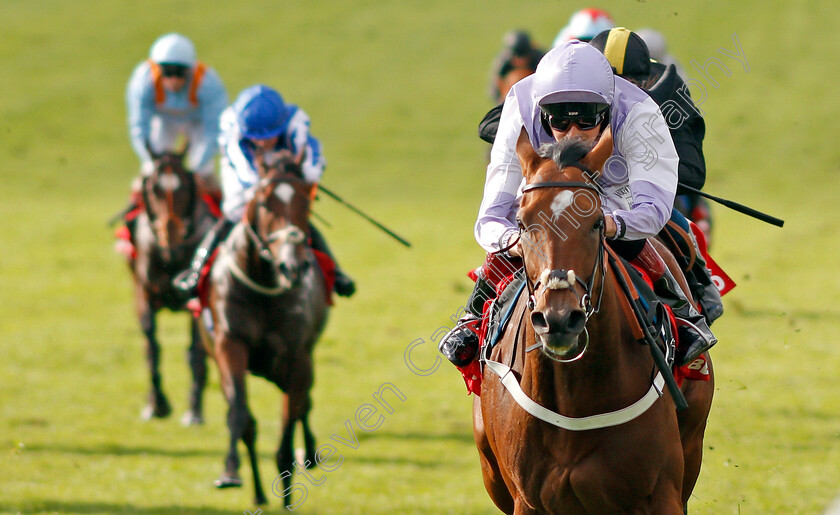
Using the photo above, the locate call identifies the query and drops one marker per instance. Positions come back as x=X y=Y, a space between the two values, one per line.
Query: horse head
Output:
x=562 y=239
x=278 y=216
x=170 y=197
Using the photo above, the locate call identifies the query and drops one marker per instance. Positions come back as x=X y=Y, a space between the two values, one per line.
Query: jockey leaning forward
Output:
x=574 y=94
x=259 y=121
x=628 y=55
x=170 y=96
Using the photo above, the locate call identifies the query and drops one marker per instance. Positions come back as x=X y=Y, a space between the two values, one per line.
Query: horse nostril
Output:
x=575 y=321
x=539 y=322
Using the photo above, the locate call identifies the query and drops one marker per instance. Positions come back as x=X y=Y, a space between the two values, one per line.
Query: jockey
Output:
x=260 y=119
x=584 y=25
x=574 y=94
x=518 y=52
x=172 y=95
x=628 y=55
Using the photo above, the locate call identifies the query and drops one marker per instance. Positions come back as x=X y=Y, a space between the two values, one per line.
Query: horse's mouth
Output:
x=561 y=345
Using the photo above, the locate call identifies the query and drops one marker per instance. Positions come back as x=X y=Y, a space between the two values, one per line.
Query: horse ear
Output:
x=528 y=157
x=599 y=154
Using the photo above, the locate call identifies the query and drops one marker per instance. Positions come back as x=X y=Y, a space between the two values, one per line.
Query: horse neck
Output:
x=614 y=369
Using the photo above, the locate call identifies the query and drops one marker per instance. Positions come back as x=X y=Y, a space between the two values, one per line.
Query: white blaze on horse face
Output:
x=561 y=202
x=284 y=192
x=169 y=182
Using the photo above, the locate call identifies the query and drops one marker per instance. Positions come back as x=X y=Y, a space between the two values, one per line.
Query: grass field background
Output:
x=395 y=91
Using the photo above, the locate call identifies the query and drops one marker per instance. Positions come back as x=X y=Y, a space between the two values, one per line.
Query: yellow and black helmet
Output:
x=626 y=51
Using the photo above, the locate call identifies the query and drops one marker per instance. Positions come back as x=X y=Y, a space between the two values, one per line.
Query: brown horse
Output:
x=572 y=417
x=269 y=306
x=166 y=233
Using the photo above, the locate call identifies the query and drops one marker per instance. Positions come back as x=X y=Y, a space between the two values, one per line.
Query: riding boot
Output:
x=344 y=285
x=460 y=344
x=704 y=289
x=695 y=337
x=186 y=283
x=699 y=277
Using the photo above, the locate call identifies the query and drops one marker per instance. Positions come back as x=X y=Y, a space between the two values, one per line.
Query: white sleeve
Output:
x=229 y=141
x=496 y=216
x=652 y=162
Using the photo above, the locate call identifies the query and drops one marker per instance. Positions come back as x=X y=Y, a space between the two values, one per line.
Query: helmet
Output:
x=585 y=25
x=519 y=42
x=626 y=52
x=573 y=72
x=260 y=112
x=173 y=49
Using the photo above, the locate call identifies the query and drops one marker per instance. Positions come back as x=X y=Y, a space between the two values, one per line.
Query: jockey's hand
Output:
x=609 y=226
x=516 y=250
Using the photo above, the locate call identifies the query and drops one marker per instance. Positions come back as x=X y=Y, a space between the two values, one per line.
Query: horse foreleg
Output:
x=493 y=482
x=158 y=405
x=197 y=358
x=232 y=358
x=285 y=455
x=249 y=436
x=692 y=423
x=308 y=442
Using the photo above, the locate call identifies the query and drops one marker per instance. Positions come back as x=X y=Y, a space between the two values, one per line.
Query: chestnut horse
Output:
x=269 y=306
x=166 y=234
x=573 y=416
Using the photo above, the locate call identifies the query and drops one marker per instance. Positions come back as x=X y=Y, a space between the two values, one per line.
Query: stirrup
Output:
x=700 y=342
x=460 y=344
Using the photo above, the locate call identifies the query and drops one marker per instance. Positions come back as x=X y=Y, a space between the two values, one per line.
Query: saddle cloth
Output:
x=497 y=314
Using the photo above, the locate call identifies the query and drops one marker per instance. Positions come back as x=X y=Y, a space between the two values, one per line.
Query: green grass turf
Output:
x=395 y=91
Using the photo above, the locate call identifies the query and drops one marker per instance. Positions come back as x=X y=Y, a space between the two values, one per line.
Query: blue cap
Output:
x=260 y=112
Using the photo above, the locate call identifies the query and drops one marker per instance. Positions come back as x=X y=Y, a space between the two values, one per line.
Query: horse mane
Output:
x=566 y=152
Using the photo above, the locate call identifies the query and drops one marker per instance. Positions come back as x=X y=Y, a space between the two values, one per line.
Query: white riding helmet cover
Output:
x=573 y=72
x=173 y=49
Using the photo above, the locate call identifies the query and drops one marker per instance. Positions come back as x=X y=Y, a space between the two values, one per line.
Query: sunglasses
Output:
x=584 y=123
x=173 y=70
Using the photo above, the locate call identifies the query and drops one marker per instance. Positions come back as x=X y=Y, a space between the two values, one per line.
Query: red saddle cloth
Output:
x=325 y=264
x=697 y=370
x=123 y=245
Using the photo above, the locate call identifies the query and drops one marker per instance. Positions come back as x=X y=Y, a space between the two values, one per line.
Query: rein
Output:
x=290 y=234
x=562 y=279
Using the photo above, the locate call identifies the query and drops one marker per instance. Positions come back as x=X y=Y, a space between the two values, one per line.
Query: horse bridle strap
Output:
x=561 y=184
x=613 y=418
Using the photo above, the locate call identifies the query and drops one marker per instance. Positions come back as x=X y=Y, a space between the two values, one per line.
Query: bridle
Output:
x=164 y=172
x=290 y=234
x=567 y=278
